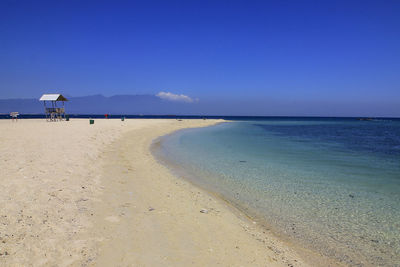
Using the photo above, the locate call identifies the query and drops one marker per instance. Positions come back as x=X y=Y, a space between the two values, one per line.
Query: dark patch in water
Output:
x=382 y=137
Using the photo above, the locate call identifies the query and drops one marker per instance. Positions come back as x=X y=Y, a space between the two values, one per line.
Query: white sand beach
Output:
x=78 y=194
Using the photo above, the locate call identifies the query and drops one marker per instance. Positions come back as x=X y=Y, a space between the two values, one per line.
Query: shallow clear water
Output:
x=330 y=185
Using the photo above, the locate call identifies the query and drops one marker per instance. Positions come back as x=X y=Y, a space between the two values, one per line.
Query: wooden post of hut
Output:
x=52 y=108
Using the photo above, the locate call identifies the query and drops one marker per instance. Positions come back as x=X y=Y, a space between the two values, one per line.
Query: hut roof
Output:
x=53 y=97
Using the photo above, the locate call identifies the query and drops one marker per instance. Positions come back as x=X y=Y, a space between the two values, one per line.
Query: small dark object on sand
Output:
x=151 y=209
x=351 y=196
x=242 y=161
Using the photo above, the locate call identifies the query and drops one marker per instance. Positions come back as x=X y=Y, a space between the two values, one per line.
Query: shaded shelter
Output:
x=52 y=108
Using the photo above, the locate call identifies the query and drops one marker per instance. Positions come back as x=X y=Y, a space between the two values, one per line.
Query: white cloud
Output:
x=174 y=97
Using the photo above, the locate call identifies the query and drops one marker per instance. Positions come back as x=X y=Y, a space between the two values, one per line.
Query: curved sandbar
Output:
x=74 y=193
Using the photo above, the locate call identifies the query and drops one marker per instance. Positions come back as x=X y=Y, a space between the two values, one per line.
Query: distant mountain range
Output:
x=99 y=104
x=171 y=104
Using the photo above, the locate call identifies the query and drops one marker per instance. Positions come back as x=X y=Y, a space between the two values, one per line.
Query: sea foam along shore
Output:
x=80 y=194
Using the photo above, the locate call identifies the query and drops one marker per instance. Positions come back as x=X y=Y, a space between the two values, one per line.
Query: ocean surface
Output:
x=328 y=184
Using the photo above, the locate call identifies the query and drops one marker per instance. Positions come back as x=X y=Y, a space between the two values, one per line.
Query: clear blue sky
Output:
x=318 y=51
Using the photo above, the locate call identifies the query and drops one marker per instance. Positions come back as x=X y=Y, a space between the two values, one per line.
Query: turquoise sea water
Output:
x=331 y=185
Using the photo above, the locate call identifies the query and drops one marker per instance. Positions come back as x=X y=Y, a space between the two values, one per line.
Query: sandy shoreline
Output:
x=74 y=194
